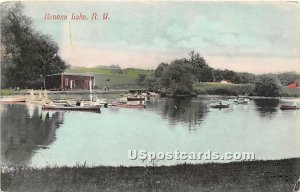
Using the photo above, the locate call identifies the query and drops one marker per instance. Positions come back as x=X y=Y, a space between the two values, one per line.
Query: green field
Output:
x=8 y=92
x=124 y=80
x=213 y=88
x=5 y=92
x=289 y=92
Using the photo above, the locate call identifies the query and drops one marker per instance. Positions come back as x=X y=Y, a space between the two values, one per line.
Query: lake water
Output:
x=33 y=137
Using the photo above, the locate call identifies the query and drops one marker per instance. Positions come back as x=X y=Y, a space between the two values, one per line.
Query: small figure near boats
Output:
x=101 y=102
x=78 y=102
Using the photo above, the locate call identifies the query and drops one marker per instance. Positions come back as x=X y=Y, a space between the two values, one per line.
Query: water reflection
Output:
x=266 y=107
x=29 y=136
x=186 y=110
x=25 y=130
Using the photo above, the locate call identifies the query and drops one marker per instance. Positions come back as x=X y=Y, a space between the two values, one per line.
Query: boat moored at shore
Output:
x=289 y=107
x=72 y=108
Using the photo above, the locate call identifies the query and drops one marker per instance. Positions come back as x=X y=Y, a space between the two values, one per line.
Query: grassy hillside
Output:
x=124 y=80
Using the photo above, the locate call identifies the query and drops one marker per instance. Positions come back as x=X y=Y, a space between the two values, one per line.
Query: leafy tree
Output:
x=178 y=78
x=218 y=74
x=152 y=83
x=228 y=75
x=267 y=85
x=27 y=55
x=246 y=77
x=288 y=77
x=159 y=70
x=231 y=76
x=200 y=70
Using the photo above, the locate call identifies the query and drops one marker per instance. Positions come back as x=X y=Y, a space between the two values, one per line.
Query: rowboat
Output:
x=13 y=100
x=220 y=106
x=126 y=105
x=135 y=98
x=72 y=108
x=289 y=107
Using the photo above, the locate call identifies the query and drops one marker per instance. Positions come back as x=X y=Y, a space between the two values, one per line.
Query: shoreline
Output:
x=125 y=91
x=269 y=175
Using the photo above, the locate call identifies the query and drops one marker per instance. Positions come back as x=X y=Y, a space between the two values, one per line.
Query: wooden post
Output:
x=62 y=82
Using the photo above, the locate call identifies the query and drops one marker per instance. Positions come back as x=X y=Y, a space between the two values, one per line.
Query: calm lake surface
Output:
x=33 y=137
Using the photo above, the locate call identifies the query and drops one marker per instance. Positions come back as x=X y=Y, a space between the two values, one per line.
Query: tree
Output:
x=267 y=85
x=27 y=55
x=159 y=70
x=288 y=77
x=152 y=83
x=178 y=77
x=246 y=77
x=201 y=70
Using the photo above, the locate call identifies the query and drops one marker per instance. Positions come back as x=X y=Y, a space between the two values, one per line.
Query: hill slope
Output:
x=105 y=77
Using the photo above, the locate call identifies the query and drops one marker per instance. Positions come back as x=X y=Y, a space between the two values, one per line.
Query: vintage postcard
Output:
x=150 y=96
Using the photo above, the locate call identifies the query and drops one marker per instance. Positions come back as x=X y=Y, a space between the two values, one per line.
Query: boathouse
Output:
x=65 y=81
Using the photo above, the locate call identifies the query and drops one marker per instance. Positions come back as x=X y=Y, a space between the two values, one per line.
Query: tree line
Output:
x=178 y=77
x=27 y=56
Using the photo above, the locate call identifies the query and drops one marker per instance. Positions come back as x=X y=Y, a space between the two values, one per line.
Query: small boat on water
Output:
x=127 y=105
x=72 y=108
x=12 y=100
x=220 y=106
x=135 y=98
x=289 y=107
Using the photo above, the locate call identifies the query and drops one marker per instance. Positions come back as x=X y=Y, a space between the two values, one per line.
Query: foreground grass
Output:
x=256 y=176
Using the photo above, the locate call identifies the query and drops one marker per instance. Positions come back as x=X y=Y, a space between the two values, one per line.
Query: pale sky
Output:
x=251 y=37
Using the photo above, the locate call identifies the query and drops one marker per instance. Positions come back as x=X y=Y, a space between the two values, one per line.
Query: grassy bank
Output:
x=289 y=92
x=85 y=95
x=253 y=176
x=6 y=92
x=212 y=88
